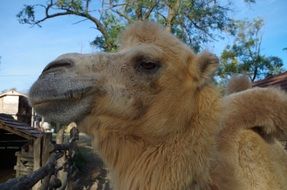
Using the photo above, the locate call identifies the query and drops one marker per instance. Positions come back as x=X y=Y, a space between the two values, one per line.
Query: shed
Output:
x=16 y=104
x=278 y=80
x=20 y=147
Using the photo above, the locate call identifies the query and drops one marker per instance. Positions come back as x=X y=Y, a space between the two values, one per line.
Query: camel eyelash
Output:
x=146 y=65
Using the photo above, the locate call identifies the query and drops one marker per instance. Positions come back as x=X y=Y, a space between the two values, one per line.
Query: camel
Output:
x=159 y=122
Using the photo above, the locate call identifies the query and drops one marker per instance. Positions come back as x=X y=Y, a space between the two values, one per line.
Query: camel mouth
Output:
x=70 y=106
x=70 y=95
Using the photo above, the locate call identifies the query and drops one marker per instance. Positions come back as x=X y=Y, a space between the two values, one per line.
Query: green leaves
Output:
x=75 y=5
x=26 y=15
x=244 y=55
x=113 y=27
x=194 y=21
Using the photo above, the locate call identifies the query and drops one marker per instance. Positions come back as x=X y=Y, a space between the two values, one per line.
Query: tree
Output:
x=244 y=55
x=194 y=21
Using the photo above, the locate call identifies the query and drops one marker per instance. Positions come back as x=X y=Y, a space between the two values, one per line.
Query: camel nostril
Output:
x=62 y=63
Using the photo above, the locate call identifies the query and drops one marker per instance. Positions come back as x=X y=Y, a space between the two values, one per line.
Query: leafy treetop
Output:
x=244 y=55
x=194 y=21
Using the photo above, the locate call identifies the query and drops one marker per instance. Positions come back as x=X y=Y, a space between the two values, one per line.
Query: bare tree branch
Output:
x=111 y=5
x=164 y=17
x=69 y=11
x=171 y=14
x=207 y=14
x=87 y=6
x=202 y=29
x=97 y=22
x=147 y=14
x=139 y=12
x=38 y=22
x=129 y=20
x=83 y=20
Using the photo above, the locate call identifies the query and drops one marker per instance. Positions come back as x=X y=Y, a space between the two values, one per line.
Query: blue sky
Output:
x=25 y=50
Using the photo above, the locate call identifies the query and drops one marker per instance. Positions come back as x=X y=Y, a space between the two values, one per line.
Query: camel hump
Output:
x=238 y=83
x=263 y=110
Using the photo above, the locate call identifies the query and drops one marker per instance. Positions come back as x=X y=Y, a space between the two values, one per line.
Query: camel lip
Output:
x=47 y=102
x=42 y=104
x=70 y=95
x=63 y=110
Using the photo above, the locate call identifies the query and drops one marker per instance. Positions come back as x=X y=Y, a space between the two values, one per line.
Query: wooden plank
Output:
x=27 y=170
x=24 y=154
x=47 y=147
x=62 y=174
x=25 y=164
x=17 y=163
x=37 y=159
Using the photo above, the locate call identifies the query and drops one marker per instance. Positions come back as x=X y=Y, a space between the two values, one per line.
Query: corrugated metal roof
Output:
x=18 y=127
x=278 y=80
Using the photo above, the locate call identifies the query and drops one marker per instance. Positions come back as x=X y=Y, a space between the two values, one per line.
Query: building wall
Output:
x=1 y=105
x=9 y=105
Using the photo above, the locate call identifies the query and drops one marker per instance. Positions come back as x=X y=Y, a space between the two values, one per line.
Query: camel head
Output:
x=151 y=78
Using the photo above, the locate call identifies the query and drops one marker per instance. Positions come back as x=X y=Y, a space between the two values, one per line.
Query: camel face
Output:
x=145 y=76
x=60 y=93
x=121 y=84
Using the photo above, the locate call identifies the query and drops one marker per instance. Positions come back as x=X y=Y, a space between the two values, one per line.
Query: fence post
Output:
x=62 y=174
x=37 y=159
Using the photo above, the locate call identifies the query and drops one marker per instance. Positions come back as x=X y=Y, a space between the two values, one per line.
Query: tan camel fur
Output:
x=238 y=83
x=159 y=123
x=252 y=121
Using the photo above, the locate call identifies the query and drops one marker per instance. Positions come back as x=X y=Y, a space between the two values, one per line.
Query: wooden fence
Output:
x=44 y=176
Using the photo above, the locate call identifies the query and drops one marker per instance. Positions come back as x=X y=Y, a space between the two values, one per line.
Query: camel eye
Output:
x=148 y=67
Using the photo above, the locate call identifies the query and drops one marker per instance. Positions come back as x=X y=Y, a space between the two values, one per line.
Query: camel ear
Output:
x=207 y=64
x=204 y=66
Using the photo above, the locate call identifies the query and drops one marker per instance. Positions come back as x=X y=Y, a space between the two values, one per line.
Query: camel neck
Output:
x=135 y=164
